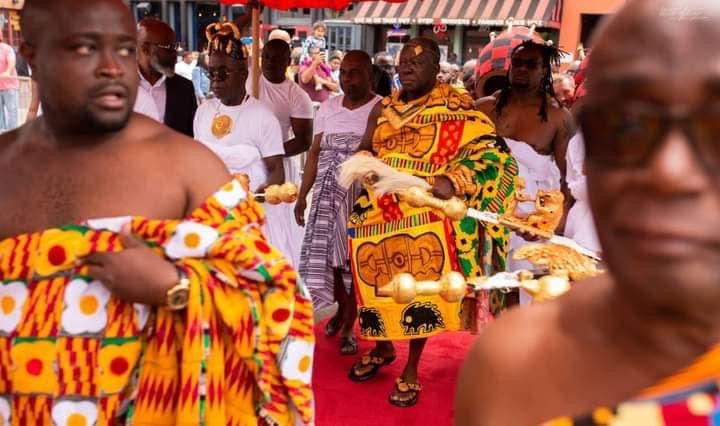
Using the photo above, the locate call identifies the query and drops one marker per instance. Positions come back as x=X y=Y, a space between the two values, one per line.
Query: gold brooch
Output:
x=221 y=126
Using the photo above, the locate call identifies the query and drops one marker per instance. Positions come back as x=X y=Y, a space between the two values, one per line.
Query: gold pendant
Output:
x=221 y=126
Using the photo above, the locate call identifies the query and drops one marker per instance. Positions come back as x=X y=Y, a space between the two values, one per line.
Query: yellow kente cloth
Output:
x=438 y=135
x=239 y=354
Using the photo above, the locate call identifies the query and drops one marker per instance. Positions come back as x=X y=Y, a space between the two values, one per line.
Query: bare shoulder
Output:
x=527 y=352
x=486 y=105
x=197 y=168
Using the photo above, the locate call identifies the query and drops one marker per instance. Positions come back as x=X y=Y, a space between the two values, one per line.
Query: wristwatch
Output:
x=177 y=297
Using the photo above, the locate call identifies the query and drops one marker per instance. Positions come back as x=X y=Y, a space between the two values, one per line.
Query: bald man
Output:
x=162 y=95
x=99 y=204
x=650 y=126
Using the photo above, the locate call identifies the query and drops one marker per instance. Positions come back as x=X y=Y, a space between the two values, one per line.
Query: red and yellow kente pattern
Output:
x=240 y=354
x=440 y=134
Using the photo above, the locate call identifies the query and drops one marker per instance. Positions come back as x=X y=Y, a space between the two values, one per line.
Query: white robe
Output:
x=580 y=225
x=540 y=173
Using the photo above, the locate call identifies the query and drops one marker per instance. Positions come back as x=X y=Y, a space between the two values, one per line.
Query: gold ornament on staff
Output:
x=404 y=288
x=274 y=194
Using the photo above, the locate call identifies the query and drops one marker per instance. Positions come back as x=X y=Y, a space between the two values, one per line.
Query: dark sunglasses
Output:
x=220 y=74
x=531 y=64
x=629 y=136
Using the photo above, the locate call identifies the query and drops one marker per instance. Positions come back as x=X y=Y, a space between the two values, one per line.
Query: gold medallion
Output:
x=221 y=125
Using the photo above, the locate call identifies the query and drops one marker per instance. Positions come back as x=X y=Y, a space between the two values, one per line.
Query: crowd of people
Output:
x=141 y=281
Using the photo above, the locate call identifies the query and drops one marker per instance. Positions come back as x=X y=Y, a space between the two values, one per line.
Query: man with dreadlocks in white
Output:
x=533 y=123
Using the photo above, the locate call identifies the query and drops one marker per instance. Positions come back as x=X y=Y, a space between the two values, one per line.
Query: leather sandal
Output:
x=403 y=388
x=375 y=363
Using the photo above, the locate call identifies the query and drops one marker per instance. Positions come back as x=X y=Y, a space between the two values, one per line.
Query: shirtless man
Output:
x=650 y=125
x=526 y=110
x=89 y=155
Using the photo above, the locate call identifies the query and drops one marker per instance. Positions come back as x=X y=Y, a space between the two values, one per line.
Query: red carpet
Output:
x=341 y=402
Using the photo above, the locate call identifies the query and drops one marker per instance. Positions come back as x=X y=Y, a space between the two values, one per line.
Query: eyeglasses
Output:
x=220 y=74
x=530 y=64
x=172 y=47
x=628 y=136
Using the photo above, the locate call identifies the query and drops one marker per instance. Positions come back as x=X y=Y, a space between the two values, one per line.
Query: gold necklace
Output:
x=222 y=124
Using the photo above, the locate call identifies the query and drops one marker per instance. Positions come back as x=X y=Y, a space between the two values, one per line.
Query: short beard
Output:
x=168 y=71
x=94 y=124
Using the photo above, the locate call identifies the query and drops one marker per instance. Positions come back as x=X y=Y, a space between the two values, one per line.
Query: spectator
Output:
x=382 y=81
x=185 y=67
x=385 y=61
x=564 y=87
x=8 y=87
x=335 y=61
x=200 y=78
x=316 y=40
x=468 y=77
x=316 y=76
x=445 y=71
x=162 y=95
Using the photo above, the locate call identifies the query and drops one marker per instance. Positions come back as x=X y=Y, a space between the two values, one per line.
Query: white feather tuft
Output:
x=389 y=180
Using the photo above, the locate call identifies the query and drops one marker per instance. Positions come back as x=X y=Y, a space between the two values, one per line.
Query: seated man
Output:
x=433 y=132
x=650 y=125
x=132 y=293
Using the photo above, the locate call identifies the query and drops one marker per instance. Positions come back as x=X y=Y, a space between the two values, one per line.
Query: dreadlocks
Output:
x=550 y=57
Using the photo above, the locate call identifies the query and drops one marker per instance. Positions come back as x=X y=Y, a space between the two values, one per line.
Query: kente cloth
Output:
x=325 y=246
x=239 y=354
x=689 y=398
x=439 y=134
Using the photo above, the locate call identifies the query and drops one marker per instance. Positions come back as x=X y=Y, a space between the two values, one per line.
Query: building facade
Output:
x=188 y=18
x=580 y=19
x=461 y=27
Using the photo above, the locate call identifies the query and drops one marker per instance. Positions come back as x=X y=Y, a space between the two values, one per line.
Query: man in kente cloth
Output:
x=650 y=121
x=134 y=282
x=431 y=131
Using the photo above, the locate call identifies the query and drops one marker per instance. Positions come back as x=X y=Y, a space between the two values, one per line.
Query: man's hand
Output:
x=136 y=274
x=443 y=188
x=300 y=207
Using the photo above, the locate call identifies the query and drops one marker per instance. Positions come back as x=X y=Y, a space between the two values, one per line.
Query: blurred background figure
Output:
x=445 y=71
x=382 y=81
x=201 y=79
x=315 y=76
x=9 y=85
x=564 y=87
x=186 y=65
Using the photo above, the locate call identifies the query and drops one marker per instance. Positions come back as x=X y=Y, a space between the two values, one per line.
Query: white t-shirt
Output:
x=255 y=134
x=333 y=117
x=286 y=100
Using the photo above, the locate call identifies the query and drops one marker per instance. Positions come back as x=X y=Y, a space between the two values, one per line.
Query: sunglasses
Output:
x=629 y=136
x=531 y=64
x=220 y=74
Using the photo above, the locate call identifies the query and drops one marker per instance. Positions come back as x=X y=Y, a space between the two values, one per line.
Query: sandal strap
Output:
x=369 y=359
x=405 y=387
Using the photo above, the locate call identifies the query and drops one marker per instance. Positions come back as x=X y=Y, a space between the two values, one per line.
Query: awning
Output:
x=542 y=13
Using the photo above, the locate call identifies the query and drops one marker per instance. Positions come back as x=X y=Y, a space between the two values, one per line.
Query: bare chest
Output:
x=39 y=193
x=524 y=124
